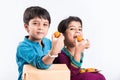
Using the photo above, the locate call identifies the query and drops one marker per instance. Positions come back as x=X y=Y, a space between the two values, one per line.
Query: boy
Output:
x=35 y=49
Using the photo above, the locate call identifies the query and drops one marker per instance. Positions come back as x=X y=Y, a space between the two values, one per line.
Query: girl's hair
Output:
x=35 y=11
x=65 y=22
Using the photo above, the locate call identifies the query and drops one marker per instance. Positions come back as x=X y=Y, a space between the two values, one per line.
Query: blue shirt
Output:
x=29 y=52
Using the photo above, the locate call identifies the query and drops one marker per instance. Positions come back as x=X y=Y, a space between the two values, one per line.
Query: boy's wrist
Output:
x=52 y=54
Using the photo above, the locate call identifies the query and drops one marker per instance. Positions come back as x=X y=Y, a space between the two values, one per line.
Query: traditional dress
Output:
x=66 y=58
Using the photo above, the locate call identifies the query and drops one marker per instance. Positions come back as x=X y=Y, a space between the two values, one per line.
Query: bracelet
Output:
x=53 y=56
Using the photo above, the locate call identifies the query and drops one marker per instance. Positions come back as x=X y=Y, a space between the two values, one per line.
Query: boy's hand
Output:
x=57 y=34
x=57 y=43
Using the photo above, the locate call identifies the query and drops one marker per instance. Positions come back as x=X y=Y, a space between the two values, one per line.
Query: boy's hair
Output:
x=65 y=22
x=35 y=11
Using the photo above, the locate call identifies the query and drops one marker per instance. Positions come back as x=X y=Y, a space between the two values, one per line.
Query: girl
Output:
x=72 y=53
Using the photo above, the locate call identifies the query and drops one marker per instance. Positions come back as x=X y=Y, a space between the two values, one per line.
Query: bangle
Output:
x=53 y=56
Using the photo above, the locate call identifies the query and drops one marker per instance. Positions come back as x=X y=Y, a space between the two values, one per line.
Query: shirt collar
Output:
x=28 y=40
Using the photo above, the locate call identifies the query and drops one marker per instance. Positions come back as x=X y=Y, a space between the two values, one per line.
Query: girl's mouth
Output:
x=75 y=36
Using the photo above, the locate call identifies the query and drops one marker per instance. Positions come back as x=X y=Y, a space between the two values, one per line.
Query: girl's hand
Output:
x=87 y=45
x=81 y=46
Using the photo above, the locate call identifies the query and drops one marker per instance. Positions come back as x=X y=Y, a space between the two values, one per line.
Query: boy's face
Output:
x=73 y=30
x=37 y=28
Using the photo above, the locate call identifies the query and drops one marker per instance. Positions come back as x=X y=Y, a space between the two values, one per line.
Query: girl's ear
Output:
x=26 y=27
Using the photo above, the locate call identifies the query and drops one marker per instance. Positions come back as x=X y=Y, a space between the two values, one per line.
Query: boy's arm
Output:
x=57 y=45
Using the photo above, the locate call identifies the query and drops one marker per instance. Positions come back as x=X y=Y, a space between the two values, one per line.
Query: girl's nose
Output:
x=77 y=31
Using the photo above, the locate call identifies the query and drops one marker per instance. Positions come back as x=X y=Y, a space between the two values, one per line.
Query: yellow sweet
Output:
x=90 y=70
x=57 y=34
x=79 y=38
x=82 y=70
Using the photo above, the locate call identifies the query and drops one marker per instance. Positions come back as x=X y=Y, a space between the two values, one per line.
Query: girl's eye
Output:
x=71 y=28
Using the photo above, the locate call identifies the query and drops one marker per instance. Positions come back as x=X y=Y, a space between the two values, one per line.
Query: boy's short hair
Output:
x=35 y=11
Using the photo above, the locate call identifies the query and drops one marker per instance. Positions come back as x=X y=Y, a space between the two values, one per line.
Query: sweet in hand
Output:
x=79 y=38
x=57 y=34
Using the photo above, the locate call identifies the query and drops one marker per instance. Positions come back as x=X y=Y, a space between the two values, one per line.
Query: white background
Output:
x=100 y=24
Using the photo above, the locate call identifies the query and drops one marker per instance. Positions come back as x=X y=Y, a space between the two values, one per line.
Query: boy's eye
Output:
x=80 y=29
x=35 y=23
x=45 y=24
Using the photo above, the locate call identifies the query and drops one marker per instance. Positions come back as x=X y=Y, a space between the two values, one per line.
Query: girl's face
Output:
x=37 y=28
x=74 y=29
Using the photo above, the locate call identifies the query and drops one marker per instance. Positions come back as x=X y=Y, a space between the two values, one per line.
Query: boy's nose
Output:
x=40 y=26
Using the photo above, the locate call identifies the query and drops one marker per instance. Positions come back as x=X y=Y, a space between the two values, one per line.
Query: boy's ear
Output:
x=26 y=27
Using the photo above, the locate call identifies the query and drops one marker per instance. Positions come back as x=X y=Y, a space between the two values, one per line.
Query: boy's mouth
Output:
x=40 y=33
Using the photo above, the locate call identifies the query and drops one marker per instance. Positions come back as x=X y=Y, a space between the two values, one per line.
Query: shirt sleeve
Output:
x=27 y=55
x=76 y=63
